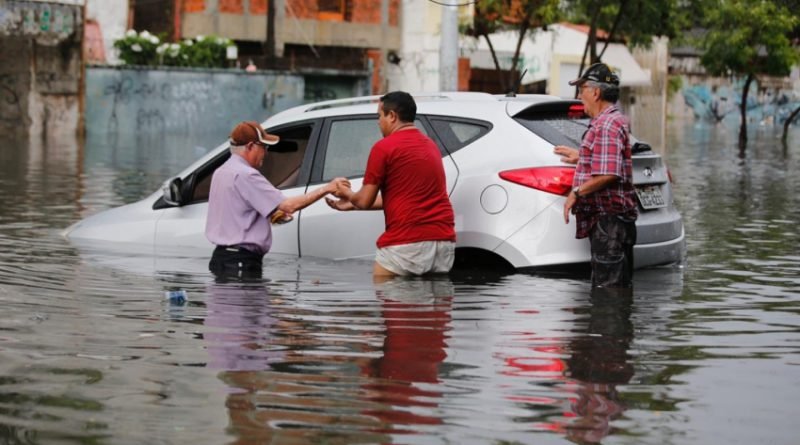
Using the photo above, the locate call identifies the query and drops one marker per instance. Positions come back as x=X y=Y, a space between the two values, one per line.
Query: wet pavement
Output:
x=91 y=351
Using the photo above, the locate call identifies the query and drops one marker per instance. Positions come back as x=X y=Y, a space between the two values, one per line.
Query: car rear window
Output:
x=560 y=123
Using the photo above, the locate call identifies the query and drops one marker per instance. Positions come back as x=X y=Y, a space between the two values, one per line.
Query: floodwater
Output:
x=91 y=351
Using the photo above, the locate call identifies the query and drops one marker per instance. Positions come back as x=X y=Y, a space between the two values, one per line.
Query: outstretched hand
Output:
x=340 y=204
x=568 y=155
x=339 y=186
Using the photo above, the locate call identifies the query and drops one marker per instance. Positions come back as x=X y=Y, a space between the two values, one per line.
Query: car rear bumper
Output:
x=547 y=241
x=655 y=254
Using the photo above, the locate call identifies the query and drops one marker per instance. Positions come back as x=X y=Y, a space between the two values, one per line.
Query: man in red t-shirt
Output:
x=405 y=178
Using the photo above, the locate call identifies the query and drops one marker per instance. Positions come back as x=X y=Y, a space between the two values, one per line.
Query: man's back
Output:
x=408 y=168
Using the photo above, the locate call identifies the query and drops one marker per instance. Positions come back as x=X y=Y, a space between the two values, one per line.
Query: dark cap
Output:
x=250 y=131
x=599 y=72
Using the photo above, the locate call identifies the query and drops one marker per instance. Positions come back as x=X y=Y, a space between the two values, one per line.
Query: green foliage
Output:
x=674 y=84
x=138 y=48
x=636 y=22
x=520 y=16
x=748 y=37
x=207 y=52
x=496 y=15
x=146 y=49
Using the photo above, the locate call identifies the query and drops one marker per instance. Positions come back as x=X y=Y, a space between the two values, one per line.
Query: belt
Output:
x=236 y=248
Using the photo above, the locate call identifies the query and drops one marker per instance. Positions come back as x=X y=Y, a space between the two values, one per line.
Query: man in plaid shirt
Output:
x=602 y=197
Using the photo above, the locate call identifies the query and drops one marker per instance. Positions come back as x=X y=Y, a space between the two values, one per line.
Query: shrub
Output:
x=208 y=52
x=137 y=48
x=144 y=49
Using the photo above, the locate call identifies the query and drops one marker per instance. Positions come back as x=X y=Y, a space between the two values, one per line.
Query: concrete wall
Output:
x=137 y=110
x=297 y=22
x=40 y=73
x=421 y=38
x=112 y=17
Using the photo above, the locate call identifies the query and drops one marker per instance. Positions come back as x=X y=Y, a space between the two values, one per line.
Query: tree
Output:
x=794 y=36
x=520 y=15
x=748 y=38
x=633 y=21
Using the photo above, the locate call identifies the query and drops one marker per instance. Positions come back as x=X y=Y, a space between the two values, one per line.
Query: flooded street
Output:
x=91 y=351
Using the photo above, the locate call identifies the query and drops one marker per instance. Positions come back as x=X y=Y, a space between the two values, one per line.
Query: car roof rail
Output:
x=419 y=97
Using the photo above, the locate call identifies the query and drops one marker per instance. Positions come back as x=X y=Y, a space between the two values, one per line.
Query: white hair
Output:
x=238 y=149
x=608 y=92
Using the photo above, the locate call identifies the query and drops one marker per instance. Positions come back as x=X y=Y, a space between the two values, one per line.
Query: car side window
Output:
x=281 y=164
x=458 y=133
x=349 y=144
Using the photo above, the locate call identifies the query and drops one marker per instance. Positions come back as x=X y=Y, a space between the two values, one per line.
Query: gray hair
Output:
x=238 y=149
x=608 y=92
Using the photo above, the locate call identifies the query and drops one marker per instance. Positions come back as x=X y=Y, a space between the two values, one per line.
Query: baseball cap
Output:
x=599 y=72
x=250 y=131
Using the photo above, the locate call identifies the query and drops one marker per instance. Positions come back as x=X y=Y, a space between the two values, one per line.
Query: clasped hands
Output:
x=340 y=188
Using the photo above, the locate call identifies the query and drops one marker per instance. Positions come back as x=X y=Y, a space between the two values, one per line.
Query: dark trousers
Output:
x=235 y=262
x=612 y=241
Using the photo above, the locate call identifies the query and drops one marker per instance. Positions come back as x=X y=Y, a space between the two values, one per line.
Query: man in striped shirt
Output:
x=602 y=196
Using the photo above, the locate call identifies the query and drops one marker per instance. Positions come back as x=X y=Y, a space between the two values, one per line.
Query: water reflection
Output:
x=599 y=362
x=287 y=378
x=416 y=315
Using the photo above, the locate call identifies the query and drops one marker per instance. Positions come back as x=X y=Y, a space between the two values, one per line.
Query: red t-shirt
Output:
x=407 y=167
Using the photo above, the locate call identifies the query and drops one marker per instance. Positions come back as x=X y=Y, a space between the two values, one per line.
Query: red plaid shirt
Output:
x=605 y=150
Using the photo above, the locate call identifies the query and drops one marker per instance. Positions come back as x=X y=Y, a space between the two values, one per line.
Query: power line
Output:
x=440 y=3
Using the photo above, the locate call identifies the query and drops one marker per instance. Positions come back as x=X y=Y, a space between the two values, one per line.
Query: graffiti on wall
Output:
x=125 y=104
x=47 y=22
x=10 y=105
x=718 y=104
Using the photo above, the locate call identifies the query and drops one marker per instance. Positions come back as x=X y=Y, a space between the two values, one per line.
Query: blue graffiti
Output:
x=717 y=104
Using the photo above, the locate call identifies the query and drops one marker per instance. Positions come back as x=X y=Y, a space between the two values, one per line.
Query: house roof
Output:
x=601 y=34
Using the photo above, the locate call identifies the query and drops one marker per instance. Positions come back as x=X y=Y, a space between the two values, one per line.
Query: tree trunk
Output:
x=592 y=38
x=589 y=44
x=523 y=29
x=496 y=62
x=743 y=111
x=622 y=5
x=789 y=123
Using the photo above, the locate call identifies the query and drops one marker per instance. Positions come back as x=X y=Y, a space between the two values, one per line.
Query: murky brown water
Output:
x=92 y=352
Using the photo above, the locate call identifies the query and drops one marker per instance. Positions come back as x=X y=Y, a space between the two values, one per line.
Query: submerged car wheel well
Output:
x=476 y=258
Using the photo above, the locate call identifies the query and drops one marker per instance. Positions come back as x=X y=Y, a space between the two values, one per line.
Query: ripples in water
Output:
x=91 y=351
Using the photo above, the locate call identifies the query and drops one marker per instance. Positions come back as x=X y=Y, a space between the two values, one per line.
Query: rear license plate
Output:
x=650 y=196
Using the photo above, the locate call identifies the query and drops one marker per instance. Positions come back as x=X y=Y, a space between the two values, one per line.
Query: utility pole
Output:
x=448 y=50
x=384 y=38
x=269 y=48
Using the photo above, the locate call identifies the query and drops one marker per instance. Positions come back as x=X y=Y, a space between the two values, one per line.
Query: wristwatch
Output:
x=577 y=191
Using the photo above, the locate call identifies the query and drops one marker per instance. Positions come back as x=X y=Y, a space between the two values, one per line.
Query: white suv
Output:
x=506 y=185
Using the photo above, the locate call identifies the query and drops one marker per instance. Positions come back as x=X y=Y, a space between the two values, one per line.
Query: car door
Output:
x=345 y=143
x=287 y=165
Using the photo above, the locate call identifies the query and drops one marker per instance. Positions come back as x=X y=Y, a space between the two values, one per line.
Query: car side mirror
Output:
x=172 y=192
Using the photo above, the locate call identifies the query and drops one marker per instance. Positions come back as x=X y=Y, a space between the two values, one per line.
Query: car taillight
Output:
x=576 y=111
x=556 y=180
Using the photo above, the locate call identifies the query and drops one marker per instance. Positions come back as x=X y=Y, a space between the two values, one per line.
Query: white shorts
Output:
x=417 y=258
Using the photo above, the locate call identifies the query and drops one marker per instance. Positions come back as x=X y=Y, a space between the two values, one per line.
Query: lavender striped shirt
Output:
x=239 y=204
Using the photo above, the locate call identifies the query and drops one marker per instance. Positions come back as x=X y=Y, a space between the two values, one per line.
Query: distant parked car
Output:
x=506 y=185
